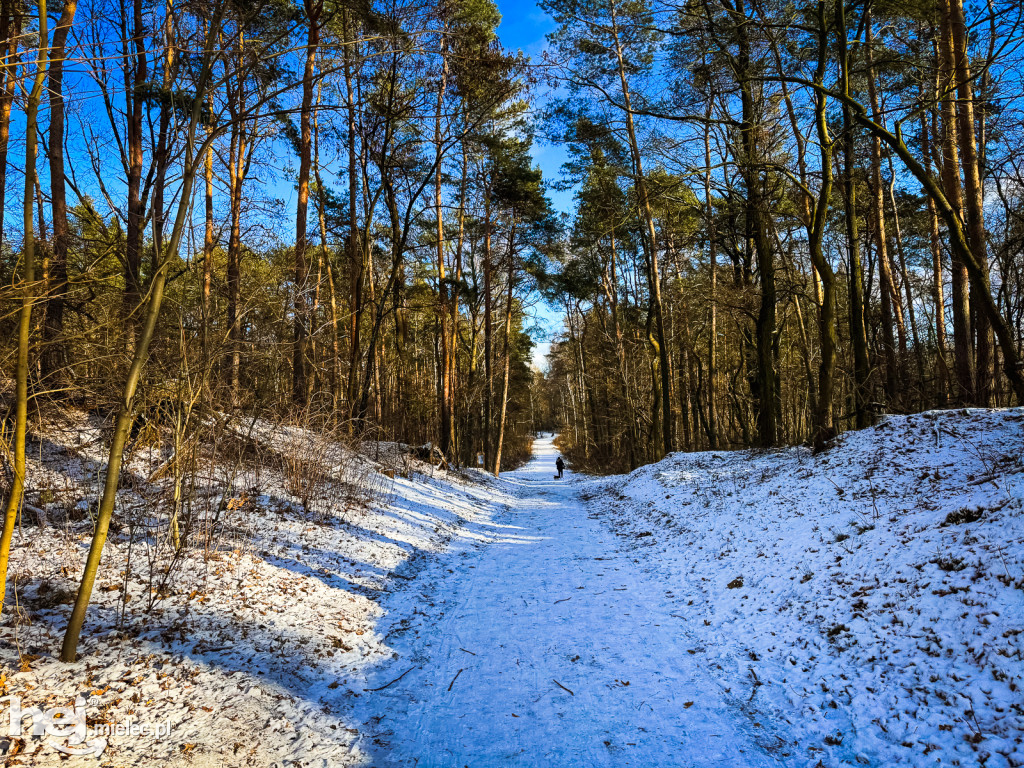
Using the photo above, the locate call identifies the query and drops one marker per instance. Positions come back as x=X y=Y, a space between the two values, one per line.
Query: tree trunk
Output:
x=122 y=426
x=54 y=358
x=927 y=151
x=301 y=319
x=508 y=360
x=890 y=299
x=135 y=74
x=207 y=243
x=28 y=295
x=858 y=333
x=963 y=353
x=161 y=153
x=488 y=373
x=453 y=309
x=11 y=19
x=766 y=391
x=658 y=341
x=824 y=420
x=236 y=180
x=444 y=393
x=335 y=364
x=356 y=258
x=953 y=15
x=709 y=212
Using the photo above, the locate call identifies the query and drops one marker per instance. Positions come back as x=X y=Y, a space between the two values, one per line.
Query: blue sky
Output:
x=523 y=27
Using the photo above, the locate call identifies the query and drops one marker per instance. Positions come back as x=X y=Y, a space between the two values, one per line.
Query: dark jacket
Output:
x=560 y=464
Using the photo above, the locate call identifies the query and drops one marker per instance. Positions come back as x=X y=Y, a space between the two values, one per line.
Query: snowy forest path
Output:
x=548 y=643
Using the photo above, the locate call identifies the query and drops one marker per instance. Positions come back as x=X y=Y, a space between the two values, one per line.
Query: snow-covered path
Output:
x=494 y=635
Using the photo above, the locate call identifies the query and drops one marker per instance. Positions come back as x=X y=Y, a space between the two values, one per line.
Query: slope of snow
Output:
x=251 y=646
x=870 y=598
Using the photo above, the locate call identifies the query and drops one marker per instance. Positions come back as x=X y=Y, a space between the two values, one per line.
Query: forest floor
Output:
x=859 y=606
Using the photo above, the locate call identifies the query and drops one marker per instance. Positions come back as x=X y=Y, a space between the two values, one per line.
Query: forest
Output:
x=791 y=217
x=781 y=221
x=155 y=275
x=302 y=303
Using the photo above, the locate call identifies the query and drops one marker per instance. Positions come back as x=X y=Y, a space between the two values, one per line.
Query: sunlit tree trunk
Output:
x=161 y=153
x=53 y=358
x=963 y=352
x=28 y=297
x=974 y=204
x=136 y=71
x=488 y=372
x=659 y=339
x=858 y=333
x=444 y=382
x=11 y=21
x=122 y=425
x=508 y=358
x=313 y=9
x=208 y=241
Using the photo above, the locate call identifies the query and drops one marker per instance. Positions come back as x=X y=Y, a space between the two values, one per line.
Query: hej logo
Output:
x=68 y=730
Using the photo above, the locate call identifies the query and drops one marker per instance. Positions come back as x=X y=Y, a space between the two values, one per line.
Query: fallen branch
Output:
x=562 y=600
x=982 y=480
x=453 y=680
x=162 y=467
x=371 y=690
x=465 y=651
x=37 y=511
x=562 y=687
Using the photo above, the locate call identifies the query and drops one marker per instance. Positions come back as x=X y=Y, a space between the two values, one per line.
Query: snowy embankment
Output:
x=251 y=643
x=869 y=599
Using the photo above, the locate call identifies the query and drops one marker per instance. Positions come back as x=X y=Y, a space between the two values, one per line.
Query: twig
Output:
x=162 y=467
x=839 y=490
x=371 y=690
x=562 y=687
x=982 y=480
x=562 y=600
x=465 y=651
x=454 y=679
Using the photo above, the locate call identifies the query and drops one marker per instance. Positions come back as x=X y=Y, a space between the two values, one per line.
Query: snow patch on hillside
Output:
x=254 y=645
x=870 y=596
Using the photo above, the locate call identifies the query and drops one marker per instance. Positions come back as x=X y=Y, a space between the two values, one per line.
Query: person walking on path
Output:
x=560 y=465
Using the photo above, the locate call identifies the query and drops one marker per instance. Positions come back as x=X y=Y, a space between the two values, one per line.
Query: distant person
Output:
x=560 y=465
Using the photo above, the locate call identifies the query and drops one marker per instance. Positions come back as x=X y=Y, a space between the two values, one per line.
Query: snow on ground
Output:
x=546 y=644
x=250 y=649
x=861 y=606
x=868 y=600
